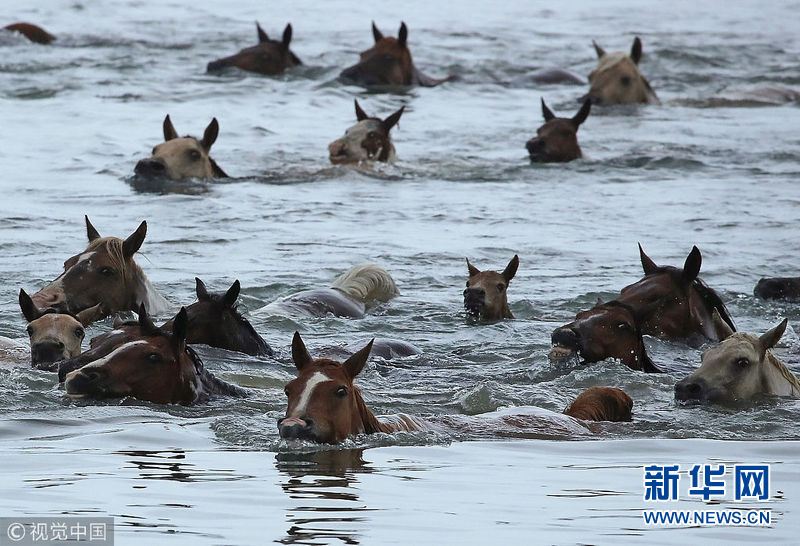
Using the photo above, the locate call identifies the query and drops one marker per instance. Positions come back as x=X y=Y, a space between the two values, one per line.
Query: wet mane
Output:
x=371 y=423
x=784 y=371
x=129 y=269
x=366 y=283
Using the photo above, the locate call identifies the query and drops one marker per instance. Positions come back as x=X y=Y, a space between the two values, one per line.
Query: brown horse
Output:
x=739 y=369
x=388 y=62
x=269 y=57
x=156 y=367
x=105 y=273
x=55 y=336
x=601 y=404
x=609 y=330
x=557 y=139
x=778 y=288
x=367 y=140
x=486 y=294
x=32 y=32
x=179 y=158
x=617 y=79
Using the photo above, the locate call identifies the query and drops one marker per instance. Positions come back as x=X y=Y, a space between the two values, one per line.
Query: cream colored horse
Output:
x=740 y=368
x=617 y=79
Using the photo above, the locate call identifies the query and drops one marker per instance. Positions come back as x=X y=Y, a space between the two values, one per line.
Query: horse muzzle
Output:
x=537 y=149
x=80 y=383
x=45 y=353
x=294 y=428
x=566 y=343
x=693 y=390
x=474 y=301
x=151 y=167
x=337 y=152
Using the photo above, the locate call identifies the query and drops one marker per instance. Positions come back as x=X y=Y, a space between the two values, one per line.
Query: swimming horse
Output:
x=486 y=294
x=104 y=273
x=269 y=57
x=739 y=369
x=179 y=158
x=367 y=140
x=157 y=366
x=617 y=79
x=32 y=32
x=778 y=288
x=388 y=62
x=557 y=139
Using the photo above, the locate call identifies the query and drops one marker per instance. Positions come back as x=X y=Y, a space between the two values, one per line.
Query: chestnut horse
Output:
x=269 y=57
x=388 y=62
x=739 y=369
x=486 y=294
x=617 y=79
x=608 y=330
x=601 y=404
x=557 y=139
x=778 y=288
x=105 y=273
x=367 y=140
x=32 y=32
x=179 y=158
x=55 y=336
x=156 y=367
x=349 y=296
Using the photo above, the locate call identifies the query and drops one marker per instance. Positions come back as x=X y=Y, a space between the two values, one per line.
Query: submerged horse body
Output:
x=778 y=288
x=367 y=140
x=617 y=79
x=32 y=32
x=104 y=273
x=557 y=139
x=269 y=57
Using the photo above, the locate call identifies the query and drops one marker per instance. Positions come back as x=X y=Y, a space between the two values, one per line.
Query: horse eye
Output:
x=623 y=326
x=467 y=284
x=106 y=271
x=743 y=363
x=372 y=134
x=154 y=151
x=194 y=154
x=154 y=357
x=625 y=80
x=79 y=332
x=341 y=392
x=500 y=287
x=30 y=330
x=286 y=391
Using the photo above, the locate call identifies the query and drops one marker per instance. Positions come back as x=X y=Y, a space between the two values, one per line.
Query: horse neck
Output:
x=144 y=292
x=780 y=379
x=507 y=310
x=206 y=384
x=369 y=422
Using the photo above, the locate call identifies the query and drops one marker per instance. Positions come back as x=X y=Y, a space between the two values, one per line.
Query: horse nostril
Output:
x=60 y=345
x=693 y=389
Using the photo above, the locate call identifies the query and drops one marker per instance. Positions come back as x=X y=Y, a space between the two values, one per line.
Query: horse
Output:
x=740 y=368
x=55 y=336
x=601 y=404
x=388 y=62
x=32 y=32
x=105 y=273
x=778 y=288
x=349 y=296
x=367 y=140
x=269 y=57
x=557 y=140
x=156 y=367
x=486 y=296
x=608 y=330
x=214 y=321
x=179 y=158
x=325 y=406
x=617 y=79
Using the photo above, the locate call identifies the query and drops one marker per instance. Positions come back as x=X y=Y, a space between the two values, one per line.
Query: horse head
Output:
x=617 y=79
x=367 y=140
x=557 y=139
x=486 y=294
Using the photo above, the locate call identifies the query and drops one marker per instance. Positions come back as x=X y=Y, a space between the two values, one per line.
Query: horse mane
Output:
x=707 y=294
x=211 y=383
x=371 y=423
x=785 y=372
x=367 y=282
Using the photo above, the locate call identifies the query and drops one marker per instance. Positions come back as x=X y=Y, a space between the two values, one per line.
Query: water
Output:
x=695 y=170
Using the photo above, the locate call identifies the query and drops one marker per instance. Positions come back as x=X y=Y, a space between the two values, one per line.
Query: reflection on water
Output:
x=170 y=465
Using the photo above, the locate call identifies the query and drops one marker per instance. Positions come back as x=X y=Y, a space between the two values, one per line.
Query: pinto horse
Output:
x=557 y=139
x=156 y=367
x=32 y=32
x=388 y=62
x=367 y=140
x=486 y=294
x=617 y=79
x=185 y=157
x=269 y=57
x=778 y=288
x=105 y=273
x=349 y=296
x=739 y=369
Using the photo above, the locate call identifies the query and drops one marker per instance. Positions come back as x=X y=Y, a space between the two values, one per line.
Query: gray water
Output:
x=697 y=169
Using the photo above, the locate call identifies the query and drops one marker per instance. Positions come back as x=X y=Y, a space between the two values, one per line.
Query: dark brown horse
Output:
x=32 y=32
x=156 y=367
x=486 y=295
x=388 y=62
x=367 y=140
x=557 y=139
x=778 y=288
x=105 y=273
x=269 y=57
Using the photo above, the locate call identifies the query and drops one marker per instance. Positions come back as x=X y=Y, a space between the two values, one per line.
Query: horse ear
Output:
x=582 y=114
x=511 y=268
x=691 y=268
x=376 y=33
x=180 y=327
x=262 y=36
x=402 y=36
x=169 y=129
x=770 y=338
x=648 y=265
x=146 y=325
x=132 y=243
x=300 y=353
x=210 y=134
x=92 y=314
x=472 y=269
x=722 y=329
x=636 y=50
x=360 y=114
x=600 y=51
x=287 y=35
x=201 y=290
x=356 y=362
x=392 y=120
x=546 y=112
x=91 y=232
x=229 y=299
x=29 y=309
